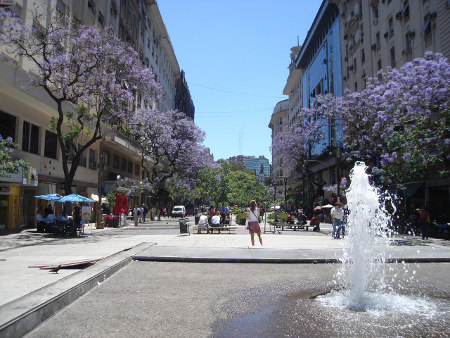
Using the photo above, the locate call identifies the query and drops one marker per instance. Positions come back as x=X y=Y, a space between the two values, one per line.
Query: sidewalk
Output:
x=25 y=290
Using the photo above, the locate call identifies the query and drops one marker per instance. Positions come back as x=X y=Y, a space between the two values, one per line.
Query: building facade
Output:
x=388 y=33
x=348 y=42
x=25 y=114
x=279 y=121
x=260 y=165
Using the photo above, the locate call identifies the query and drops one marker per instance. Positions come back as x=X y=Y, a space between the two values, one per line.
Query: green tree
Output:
x=245 y=187
x=213 y=183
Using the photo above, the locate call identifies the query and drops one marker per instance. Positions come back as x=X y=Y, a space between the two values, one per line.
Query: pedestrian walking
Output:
x=337 y=214
x=144 y=212
x=136 y=212
x=424 y=221
x=253 y=222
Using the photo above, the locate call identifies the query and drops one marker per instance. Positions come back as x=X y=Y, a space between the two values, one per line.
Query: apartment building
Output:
x=260 y=165
x=25 y=113
x=348 y=42
x=279 y=121
x=378 y=34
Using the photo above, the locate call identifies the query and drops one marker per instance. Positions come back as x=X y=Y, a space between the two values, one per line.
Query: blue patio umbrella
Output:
x=72 y=198
x=49 y=197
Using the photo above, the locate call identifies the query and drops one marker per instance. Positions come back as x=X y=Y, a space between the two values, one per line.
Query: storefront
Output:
x=17 y=202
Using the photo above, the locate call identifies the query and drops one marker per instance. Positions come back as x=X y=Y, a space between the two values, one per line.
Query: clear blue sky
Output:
x=235 y=54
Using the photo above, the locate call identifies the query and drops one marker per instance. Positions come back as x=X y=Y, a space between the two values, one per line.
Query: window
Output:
x=137 y=169
x=363 y=56
x=356 y=86
x=130 y=167
x=38 y=30
x=426 y=29
x=92 y=159
x=392 y=53
x=354 y=63
x=391 y=26
x=51 y=144
x=105 y=160
x=101 y=19
x=16 y=10
x=113 y=8
x=405 y=11
x=61 y=7
x=7 y=125
x=116 y=162
x=379 y=65
x=123 y=165
x=375 y=14
x=30 y=138
x=82 y=158
x=378 y=40
x=91 y=6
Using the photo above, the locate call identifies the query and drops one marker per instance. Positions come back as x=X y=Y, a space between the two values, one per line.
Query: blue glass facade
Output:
x=320 y=60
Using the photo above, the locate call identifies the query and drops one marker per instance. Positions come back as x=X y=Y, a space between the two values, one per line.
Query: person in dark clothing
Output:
x=424 y=221
x=144 y=212
x=48 y=210
x=76 y=216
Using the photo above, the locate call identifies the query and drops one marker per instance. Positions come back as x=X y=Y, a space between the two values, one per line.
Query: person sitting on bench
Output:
x=215 y=221
x=203 y=220
x=227 y=220
x=315 y=221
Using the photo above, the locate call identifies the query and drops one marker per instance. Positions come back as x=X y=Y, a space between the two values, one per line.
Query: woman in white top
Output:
x=253 y=222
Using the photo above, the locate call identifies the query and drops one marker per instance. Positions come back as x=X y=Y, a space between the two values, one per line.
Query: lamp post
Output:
x=99 y=220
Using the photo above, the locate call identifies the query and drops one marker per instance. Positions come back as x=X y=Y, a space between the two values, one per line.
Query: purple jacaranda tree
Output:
x=399 y=124
x=7 y=162
x=171 y=148
x=90 y=74
x=293 y=144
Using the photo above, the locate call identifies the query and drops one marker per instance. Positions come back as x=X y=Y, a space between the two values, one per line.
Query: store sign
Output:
x=12 y=175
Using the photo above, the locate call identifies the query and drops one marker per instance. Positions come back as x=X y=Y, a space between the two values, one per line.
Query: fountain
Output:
x=362 y=278
x=370 y=296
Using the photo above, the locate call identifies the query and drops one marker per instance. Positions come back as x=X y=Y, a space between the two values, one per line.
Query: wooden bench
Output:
x=208 y=228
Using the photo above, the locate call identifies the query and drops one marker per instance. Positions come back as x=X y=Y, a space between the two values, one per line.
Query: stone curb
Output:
x=22 y=315
x=237 y=260
x=277 y=260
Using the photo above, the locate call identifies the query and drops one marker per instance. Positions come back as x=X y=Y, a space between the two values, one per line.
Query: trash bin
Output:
x=197 y=218
x=184 y=226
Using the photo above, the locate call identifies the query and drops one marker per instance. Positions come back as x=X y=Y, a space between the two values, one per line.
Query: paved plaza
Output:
x=24 y=289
